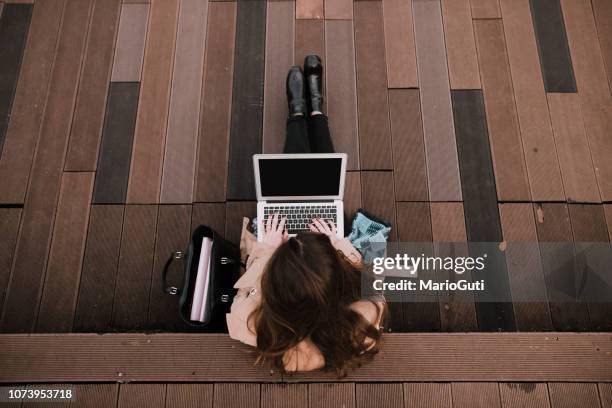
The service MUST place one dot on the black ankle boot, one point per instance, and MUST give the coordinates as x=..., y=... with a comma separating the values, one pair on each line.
x=313, y=71
x=295, y=91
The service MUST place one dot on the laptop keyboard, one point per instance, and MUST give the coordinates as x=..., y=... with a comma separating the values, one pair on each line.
x=300, y=216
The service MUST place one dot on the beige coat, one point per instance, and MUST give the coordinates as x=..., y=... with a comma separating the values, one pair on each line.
x=306, y=356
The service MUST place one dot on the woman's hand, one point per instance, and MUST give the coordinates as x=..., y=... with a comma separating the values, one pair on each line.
x=326, y=228
x=274, y=233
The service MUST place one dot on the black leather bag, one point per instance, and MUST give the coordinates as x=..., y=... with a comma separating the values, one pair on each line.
x=224, y=272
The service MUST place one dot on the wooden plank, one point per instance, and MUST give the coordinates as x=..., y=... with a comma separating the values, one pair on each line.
x=338, y=9
x=9, y=225
x=331, y=395
x=95, y=395
x=399, y=44
x=150, y=135
x=86, y=131
x=173, y=234
x=485, y=8
x=410, y=169
x=234, y=212
x=183, y=118
x=279, y=57
x=246, y=100
x=352, y=196
x=236, y=395
x=525, y=271
x=309, y=9
x=504, y=134
x=457, y=312
x=460, y=45
x=378, y=196
x=29, y=102
x=431, y=395
x=475, y=395
x=555, y=235
x=141, y=395
x=164, y=357
x=113, y=168
x=44, y=184
x=135, y=266
x=608, y=212
x=481, y=212
x=532, y=109
x=14, y=24
x=341, y=89
x=573, y=395
x=61, y=286
x=438, y=130
x=210, y=214
x=602, y=11
x=284, y=395
x=130, y=46
x=373, y=107
x=577, y=169
x=309, y=39
x=528, y=395
x=605, y=394
x=189, y=395
x=379, y=395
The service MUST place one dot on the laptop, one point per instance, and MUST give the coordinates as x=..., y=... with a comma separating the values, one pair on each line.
x=300, y=187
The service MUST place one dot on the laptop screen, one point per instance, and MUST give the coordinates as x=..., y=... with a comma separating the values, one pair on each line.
x=300, y=177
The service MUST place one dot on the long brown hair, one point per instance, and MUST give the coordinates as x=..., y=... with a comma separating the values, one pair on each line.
x=307, y=289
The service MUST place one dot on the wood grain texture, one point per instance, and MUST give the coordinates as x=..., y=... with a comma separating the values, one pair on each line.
x=399, y=44
x=184, y=115
x=504, y=135
x=246, y=103
x=130, y=45
x=43, y=189
x=131, y=300
x=460, y=45
x=189, y=395
x=379, y=395
x=86, y=131
x=283, y=395
x=96, y=290
x=524, y=395
x=475, y=395
x=150, y=134
x=9, y=225
x=331, y=395
x=141, y=395
x=61, y=286
x=338, y=9
x=309, y=39
x=579, y=180
x=378, y=195
x=485, y=8
x=309, y=9
x=29, y=102
x=440, y=144
x=431, y=395
x=236, y=395
x=531, y=106
x=352, y=195
x=279, y=57
x=602, y=10
x=96, y=395
x=374, y=130
x=234, y=212
x=410, y=169
x=341, y=90
x=565, y=395
x=210, y=214
x=605, y=393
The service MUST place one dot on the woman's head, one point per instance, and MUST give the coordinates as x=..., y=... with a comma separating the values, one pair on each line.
x=307, y=289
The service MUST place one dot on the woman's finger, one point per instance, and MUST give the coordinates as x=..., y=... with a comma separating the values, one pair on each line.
x=324, y=228
x=281, y=224
x=269, y=223
x=332, y=226
x=313, y=228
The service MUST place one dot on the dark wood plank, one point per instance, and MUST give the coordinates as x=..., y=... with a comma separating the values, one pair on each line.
x=485, y=9
x=430, y=395
x=475, y=395
x=210, y=214
x=504, y=134
x=141, y=395
x=528, y=395
x=214, y=138
x=14, y=25
x=481, y=213
x=133, y=286
x=61, y=286
x=378, y=196
x=460, y=45
x=29, y=102
x=9, y=225
x=95, y=301
x=183, y=118
x=440, y=144
x=236, y=395
x=173, y=234
x=331, y=395
x=566, y=395
x=189, y=395
x=284, y=395
x=556, y=248
x=246, y=104
x=113, y=167
x=341, y=89
x=379, y=395
x=44, y=184
x=234, y=212
x=577, y=169
x=605, y=394
x=410, y=169
x=150, y=134
x=130, y=46
x=339, y=10
x=373, y=107
x=309, y=39
x=352, y=195
x=95, y=395
x=602, y=10
x=399, y=44
x=309, y=9
x=526, y=275
x=86, y=131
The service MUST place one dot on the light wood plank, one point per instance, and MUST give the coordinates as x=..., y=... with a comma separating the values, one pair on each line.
x=141, y=395
x=9, y=225
x=430, y=395
x=189, y=395
x=236, y=395
x=566, y=395
x=528, y=395
x=331, y=395
x=485, y=8
x=309, y=9
x=475, y=395
x=379, y=395
x=605, y=394
x=602, y=9
x=399, y=44
x=338, y=9
x=284, y=395
x=95, y=395
x=131, y=36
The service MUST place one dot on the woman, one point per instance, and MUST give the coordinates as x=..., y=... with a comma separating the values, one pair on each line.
x=300, y=300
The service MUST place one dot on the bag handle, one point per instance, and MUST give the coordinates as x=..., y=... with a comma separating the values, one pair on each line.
x=171, y=290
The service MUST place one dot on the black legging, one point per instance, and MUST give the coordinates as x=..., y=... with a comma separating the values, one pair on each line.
x=308, y=135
